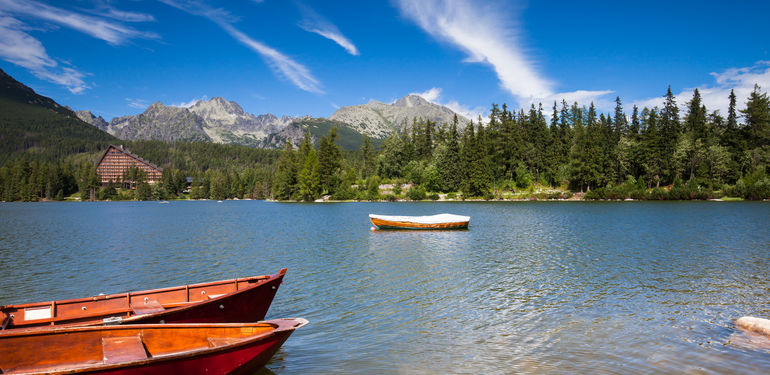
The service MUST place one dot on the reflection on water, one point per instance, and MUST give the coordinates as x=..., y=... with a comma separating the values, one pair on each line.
x=567, y=287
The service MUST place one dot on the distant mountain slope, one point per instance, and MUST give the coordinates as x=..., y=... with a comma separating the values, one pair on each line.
x=160, y=122
x=14, y=91
x=226, y=122
x=92, y=119
x=379, y=119
x=37, y=127
x=347, y=138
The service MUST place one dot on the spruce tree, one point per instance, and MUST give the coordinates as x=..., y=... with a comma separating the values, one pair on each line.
x=285, y=180
x=329, y=162
x=367, y=153
x=757, y=117
x=669, y=129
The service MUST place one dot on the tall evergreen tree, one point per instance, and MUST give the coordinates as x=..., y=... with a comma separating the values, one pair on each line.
x=669, y=129
x=620, y=122
x=635, y=127
x=757, y=116
x=329, y=162
x=367, y=151
x=308, y=180
x=285, y=180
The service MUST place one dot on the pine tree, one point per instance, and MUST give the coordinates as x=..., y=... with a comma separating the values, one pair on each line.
x=732, y=122
x=620, y=122
x=635, y=127
x=757, y=115
x=367, y=151
x=308, y=180
x=447, y=160
x=669, y=129
x=285, y=180
x=329, y=162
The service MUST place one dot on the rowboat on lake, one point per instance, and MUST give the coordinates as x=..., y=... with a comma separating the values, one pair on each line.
x=226, y=301
x=441, y=221
x=209, y=348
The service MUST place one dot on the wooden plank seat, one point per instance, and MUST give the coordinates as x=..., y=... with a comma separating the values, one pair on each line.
x=123, y=349
x=147, y=307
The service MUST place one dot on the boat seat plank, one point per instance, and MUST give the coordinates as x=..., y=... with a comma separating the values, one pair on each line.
x=148, y=307
x=123, y=349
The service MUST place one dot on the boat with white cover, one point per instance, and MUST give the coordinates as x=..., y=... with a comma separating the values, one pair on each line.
x=440, y=221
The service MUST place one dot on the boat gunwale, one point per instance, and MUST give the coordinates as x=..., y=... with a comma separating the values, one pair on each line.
x=253, y=281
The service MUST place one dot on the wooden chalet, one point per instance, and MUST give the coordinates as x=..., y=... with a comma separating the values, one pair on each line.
x=117, y=160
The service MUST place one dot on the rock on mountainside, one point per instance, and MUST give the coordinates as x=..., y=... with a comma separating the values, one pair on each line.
x=160, y=122
x=90, y=118
x=347, y=138
x=226, y=122
x=216, y=120
x=379, y=119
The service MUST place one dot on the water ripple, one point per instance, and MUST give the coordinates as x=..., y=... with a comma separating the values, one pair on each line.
x=608, y=288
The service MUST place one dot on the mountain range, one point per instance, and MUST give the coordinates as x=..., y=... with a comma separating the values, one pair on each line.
x=221, y=121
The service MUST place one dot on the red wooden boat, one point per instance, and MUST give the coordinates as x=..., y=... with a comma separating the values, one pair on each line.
x=212, y=348
x=226, y=301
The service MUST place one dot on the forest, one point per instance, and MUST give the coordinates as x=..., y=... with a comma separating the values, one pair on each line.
x=649, y=153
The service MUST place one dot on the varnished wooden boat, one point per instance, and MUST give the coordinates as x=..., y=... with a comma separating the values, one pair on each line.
x=226, y=301
x=211, y=348
x=441, y=221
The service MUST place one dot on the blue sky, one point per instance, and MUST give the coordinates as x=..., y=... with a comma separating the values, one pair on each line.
x=310, y=57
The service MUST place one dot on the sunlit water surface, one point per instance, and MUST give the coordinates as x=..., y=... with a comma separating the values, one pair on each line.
x=550, y=287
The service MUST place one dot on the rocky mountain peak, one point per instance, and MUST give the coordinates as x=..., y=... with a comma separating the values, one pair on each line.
x=155, y=107
x=379, y=120
x=218, y=104
x=90, y=118
x=412, y=100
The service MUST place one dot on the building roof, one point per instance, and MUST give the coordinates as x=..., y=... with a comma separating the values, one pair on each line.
x=121, y=149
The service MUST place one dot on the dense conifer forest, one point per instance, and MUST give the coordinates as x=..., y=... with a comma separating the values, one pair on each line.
x=647, y=153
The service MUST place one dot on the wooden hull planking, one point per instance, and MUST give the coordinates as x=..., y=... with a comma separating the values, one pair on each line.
x=222, y=348
x=389, y=224
x=225, y=301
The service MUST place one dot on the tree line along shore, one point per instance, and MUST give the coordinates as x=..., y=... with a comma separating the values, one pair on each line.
x=574, y=152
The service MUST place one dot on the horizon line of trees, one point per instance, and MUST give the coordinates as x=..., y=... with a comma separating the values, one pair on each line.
x=696, y=154
x=609, y=155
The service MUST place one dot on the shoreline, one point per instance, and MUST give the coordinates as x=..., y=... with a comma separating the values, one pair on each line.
x=531, y=199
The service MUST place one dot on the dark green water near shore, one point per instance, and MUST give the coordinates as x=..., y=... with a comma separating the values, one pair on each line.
x=544, y=287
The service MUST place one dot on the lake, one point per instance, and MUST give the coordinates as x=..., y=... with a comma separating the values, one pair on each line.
x=531, y=287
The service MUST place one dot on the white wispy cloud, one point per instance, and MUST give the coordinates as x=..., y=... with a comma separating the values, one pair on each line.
x=191, y=102
x=715, y=96
x=126, y=16
x=430, y=95
x=111, y=32
x=283, y=65
x=137, y=103
x=20, y=48
x=315, y=23
x=487, y=34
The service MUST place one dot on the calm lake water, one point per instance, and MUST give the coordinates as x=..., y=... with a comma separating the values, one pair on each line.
x=547, y=287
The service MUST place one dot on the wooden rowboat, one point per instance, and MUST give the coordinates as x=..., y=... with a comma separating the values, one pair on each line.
x=212, y=348
x=441, y=221
x=226, y=301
